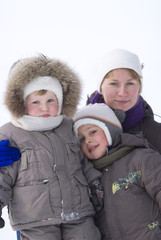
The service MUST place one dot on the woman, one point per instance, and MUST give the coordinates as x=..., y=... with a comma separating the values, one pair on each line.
x=119, y=86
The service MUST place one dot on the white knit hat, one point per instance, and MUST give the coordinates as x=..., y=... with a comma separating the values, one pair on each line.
x=101, y=115
x=45, y=83
x=118, y=58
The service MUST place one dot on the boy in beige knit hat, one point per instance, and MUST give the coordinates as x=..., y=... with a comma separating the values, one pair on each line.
x=131, y=171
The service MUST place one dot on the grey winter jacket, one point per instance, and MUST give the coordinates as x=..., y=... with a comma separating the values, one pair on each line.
x=132, y=191
x=47, y=186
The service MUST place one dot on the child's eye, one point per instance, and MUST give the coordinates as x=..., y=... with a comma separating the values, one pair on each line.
x=81, y=140
x=51, y=100
x=93, y=132
x=35, y=102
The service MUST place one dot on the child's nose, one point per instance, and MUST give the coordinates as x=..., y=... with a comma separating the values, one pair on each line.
x=88, y=140
x=43, y=107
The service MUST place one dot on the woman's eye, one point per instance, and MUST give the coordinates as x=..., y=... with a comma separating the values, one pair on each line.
x=130, y=83
x=113, y=83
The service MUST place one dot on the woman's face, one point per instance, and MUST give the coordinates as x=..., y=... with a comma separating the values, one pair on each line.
x=120, y=90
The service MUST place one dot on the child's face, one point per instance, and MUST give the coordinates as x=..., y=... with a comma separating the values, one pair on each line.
x=42, y=105
x=93, y=141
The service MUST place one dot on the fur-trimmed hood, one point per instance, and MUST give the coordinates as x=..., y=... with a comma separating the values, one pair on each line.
x=24, y=71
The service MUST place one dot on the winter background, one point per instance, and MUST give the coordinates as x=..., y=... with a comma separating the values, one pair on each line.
x=80, y=32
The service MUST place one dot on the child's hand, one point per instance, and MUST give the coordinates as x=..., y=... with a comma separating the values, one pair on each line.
x=2, y=222
x=97, y=194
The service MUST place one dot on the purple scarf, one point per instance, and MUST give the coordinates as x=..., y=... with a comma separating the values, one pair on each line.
x=134, y=115
x=96, y=98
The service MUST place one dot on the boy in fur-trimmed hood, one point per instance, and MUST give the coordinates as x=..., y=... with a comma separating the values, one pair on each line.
x=47, y=190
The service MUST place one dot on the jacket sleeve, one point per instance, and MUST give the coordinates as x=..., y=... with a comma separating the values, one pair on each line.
x=89, y=171
x=7, y=179
x=8, y=176
x=151, y=175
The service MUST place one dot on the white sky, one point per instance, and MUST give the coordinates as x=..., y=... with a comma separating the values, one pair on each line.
x=80, y=32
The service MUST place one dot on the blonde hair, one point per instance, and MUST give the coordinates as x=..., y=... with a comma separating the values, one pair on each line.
x=132, y=73
x=42, y=92
x=39, y=93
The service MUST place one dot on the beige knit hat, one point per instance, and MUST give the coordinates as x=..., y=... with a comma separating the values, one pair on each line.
x=101, y=115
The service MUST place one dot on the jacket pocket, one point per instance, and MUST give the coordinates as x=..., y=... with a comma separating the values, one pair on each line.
x=34, y=165
x=75, y=154
x=155, y=230
x=81, y=190
x=32, y=158
x=30, y=204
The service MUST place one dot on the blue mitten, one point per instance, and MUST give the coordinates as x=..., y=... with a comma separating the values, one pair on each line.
x=8, y=154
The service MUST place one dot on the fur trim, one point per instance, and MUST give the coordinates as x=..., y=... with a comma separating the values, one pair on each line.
x=25, y=70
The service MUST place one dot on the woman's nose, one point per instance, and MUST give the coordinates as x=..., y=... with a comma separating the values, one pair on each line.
x=122, y=90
